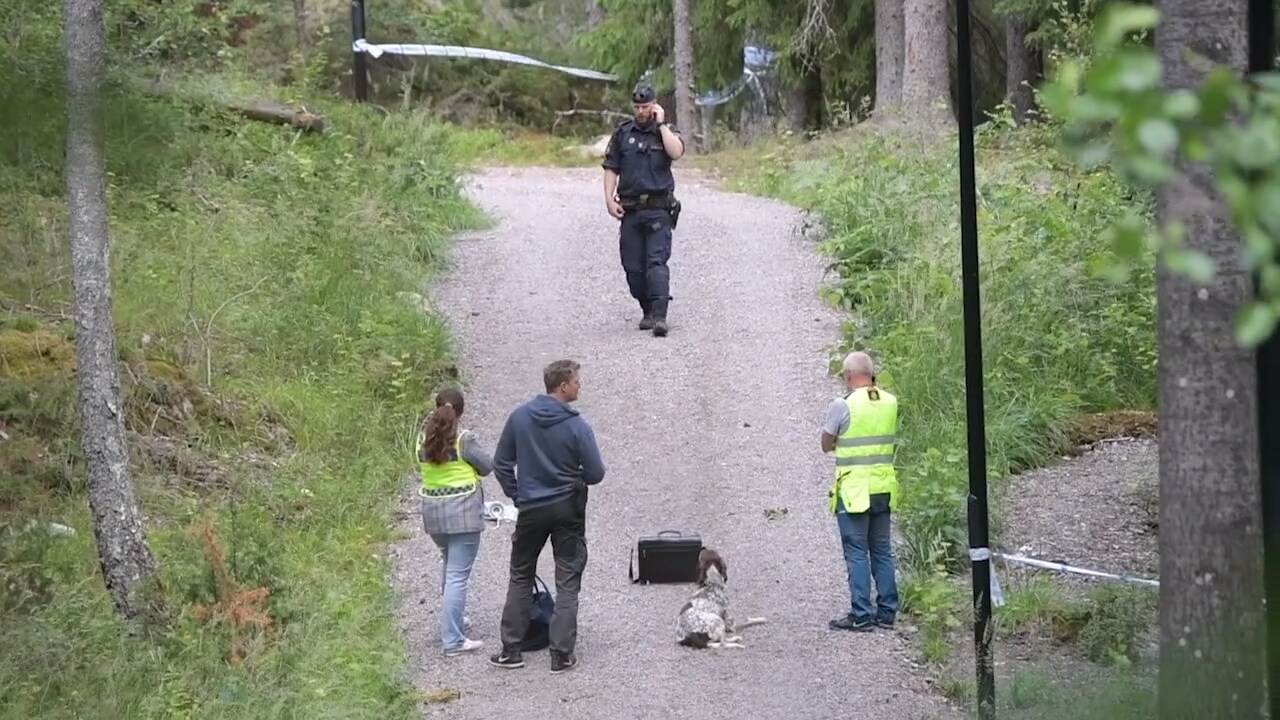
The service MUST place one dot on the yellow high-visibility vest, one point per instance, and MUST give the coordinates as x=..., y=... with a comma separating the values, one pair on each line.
x=864, y=451
x=455, y=474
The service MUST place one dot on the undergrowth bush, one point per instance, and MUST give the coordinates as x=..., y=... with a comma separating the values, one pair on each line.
x=254, y=267
x=1058, y=339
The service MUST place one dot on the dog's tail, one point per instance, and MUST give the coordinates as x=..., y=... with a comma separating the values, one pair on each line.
x=696, y=640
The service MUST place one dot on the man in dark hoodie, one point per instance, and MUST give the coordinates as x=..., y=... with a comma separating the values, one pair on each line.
x=557, y=456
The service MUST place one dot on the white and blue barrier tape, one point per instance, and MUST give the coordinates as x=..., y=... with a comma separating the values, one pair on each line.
x=755, y=62
x=1065, y=568
x=997, y=594
x=461, y=51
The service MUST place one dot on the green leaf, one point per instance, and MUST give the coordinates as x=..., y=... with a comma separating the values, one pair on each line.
x=1127, y=238
x=1110, y=268
x=1157, y=135
x=1195, y=148
x=1266, y=200
x=1191, y=264
x=1056, y=97
x=1119, y=20
x=1255, y=146
x=1148, y=170
x=1255, y=323
x=1140, y=71
x=1181, y=104
x=1094, y=108
x=1215, y=97
x=1269, y=280
x=1267, y=80
x=1094, y=154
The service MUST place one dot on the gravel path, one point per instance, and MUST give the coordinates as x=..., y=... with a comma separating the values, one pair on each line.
x=706, y=431
x=1095, y=511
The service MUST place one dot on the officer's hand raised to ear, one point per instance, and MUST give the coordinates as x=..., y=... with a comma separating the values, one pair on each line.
x=659, y=115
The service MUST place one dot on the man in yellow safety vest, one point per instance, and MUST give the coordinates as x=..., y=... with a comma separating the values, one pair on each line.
x=861, y=428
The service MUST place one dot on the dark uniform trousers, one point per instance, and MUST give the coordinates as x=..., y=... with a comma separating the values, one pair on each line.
x=645, y=247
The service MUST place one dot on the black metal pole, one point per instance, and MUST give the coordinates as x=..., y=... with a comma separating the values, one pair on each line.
x=359, y=71
x=1262, y=49
x=979, y=553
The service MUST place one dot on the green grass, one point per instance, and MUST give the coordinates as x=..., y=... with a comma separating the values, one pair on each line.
x=1035, y=693
x=1058, y=340
x=271, y=263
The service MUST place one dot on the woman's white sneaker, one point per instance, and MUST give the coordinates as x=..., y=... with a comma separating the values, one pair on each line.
x=466, y=647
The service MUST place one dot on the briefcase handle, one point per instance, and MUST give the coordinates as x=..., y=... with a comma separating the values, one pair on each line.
x=668, y=532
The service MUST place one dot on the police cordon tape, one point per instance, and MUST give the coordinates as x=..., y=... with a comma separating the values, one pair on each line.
x=1063, y=567
x=462, y=51
x=755, y=62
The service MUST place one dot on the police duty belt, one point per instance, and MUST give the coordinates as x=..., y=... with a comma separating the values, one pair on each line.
x=647, y=201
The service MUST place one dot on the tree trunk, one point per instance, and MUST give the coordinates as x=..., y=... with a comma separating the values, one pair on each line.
x=890, y=38
x=1021, y=68
x=686, y=111
x=1212, y=626
x=804, y=100
x=300, y=25
x=926, y=85
x=126, y=561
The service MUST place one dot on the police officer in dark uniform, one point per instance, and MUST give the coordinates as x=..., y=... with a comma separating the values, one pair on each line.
x=639, y=190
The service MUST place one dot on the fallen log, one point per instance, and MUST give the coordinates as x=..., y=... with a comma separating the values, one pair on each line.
x=268, y=111
x=278, y=113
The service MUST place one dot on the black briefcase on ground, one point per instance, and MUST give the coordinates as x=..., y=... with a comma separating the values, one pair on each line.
x=668, y=557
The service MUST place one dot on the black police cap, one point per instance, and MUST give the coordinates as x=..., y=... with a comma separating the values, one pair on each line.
x=642, y=94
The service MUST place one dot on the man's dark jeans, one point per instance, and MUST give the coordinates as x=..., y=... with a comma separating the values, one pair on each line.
x=564, y=521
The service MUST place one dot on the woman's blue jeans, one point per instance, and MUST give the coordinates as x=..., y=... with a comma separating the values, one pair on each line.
x=459, y=550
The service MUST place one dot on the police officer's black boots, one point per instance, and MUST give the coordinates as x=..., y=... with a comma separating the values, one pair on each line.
x=646, y=322
x=660, y=318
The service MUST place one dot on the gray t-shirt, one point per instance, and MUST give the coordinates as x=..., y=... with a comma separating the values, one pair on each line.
x=837, y=418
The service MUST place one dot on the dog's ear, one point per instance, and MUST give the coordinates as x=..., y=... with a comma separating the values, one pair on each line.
x=704, y=562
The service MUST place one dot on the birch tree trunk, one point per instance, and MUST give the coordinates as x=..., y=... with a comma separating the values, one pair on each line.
x=1212, y=626
x=926, y=78
x=890, y=38
x=126, y=561
x=686, y=111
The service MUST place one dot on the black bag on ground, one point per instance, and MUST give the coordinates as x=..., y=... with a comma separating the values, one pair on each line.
x=538, y=636
x=668, y=557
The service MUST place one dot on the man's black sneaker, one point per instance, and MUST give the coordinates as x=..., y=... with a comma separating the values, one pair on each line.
x=660, y=327
x=646, y=322
x=562, y=662
x=507, y=660
x=847, y=623
x=885, y=623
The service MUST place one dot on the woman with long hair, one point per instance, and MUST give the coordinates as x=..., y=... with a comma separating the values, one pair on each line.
x=451, y=463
